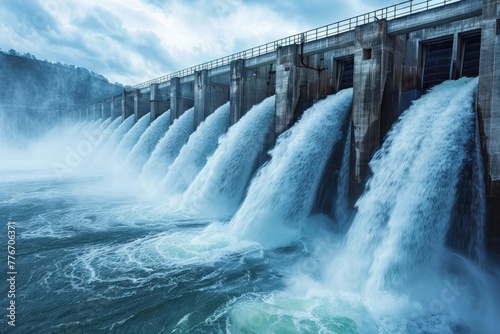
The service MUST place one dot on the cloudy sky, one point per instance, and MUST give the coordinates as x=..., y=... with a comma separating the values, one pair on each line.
x=132, y=41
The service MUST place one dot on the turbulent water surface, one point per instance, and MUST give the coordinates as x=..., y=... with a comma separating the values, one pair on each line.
x=237, y=244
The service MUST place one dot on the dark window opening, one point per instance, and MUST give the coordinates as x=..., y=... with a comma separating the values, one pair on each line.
x=471, y=50
x=437, y=63
x=367, y=54
x=345, y=72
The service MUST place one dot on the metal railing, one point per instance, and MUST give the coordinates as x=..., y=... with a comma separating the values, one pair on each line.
x=388, y=13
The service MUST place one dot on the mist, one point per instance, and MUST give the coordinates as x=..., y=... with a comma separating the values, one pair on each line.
x=36, y=96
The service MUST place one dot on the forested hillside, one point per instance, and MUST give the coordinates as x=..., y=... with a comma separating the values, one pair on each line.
x=34, y=93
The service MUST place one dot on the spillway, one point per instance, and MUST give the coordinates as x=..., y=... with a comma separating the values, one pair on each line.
x=233, y=238
x=283, y=192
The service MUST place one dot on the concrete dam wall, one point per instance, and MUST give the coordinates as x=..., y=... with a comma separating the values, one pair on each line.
x=389, y=57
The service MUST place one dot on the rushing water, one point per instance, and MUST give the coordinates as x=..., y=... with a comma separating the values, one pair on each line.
x=220, y=185
x=193, y=156
x=147, y=142
x=118, y=134
x=231, y=247
x=169, y=146
x=282, y=194
x=108, y=131
x=131, y=138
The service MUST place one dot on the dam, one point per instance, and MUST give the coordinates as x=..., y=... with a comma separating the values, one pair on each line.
x=390, y=57
x=341, y=180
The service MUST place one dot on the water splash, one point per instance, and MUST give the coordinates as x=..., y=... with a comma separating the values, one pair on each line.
x=169, y=146
x=116, y=137
x=466, y=234
x=131, y=138
x=399, y=231
x=56, y=144
x=104, y=125
x=219, y=187
x=108, y=132
x=91, y=125
x=145, y=146
x=342, y=211
x=193, y=156
x=478, y=206
x=284, y=190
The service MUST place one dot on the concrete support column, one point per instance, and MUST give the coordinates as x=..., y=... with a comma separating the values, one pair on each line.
x=287, y=87
x=103, y=113
x=488, y=107
x=175, y=99
x=124, y=105
x=141, y=105
x=201, y=97
x=127, y=105
x=154, y=100
x=412, y=71
x=181, y=98
x=393, y=95
x=370, y=73
x=136, y=96
x=455, y=57
x=113, y=109
x=209, y=94
x=248, y=87
x=96, y=112
x=236, y=90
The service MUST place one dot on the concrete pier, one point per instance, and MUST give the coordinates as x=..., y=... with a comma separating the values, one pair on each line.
x=250, y=85
x=377, y=93
x=106, y=109
x=210, y=92
x=114, y=108
x=154, y=100
x=181, y=97
x=142, y=104
x=488, y=107
x=127, y=105
x=237, y=105
x=369, y=82
x=287, y=87
x=136, y=96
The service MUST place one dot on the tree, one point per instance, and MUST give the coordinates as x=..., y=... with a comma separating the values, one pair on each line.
x=29, y=56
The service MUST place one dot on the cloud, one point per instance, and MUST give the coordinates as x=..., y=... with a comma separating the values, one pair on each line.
x=137, y=40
